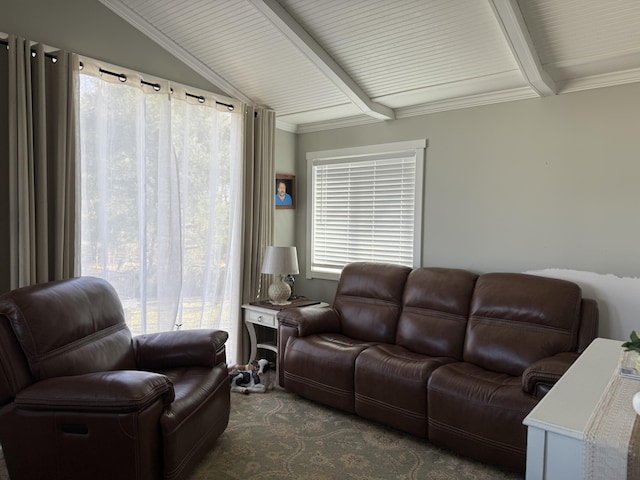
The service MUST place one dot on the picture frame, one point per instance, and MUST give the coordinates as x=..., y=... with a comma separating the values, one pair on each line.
x=285, y=200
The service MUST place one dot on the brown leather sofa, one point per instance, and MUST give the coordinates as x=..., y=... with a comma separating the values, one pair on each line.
x=444, y=354
x=81, y=399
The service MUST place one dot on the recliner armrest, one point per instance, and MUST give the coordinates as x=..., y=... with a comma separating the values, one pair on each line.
x=104, y=392
x=182, y=348
x=310, y=320
x=540, y=376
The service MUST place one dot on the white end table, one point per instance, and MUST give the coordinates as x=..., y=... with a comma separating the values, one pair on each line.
x=556, y=425
x=263, y=317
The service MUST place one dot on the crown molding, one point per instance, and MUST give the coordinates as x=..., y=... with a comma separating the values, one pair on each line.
x=520, y=93
x=599, y=81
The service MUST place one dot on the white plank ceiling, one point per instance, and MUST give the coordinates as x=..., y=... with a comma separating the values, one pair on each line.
x=323, y=64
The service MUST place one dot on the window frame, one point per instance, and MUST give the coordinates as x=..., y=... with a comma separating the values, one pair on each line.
x=415, y=147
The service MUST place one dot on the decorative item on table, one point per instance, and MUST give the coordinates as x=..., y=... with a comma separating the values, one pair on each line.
x=291, y=281
x=630, y=367
x=631, y=357
x=280, y=261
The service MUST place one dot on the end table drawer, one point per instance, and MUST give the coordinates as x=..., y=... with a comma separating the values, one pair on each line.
x=268, y=320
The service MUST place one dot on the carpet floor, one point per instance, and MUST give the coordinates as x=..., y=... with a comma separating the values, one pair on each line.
x=281, y=436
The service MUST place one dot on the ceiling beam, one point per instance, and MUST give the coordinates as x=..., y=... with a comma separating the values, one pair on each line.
x=299, y=37
x=172, y=47
x=513, y=26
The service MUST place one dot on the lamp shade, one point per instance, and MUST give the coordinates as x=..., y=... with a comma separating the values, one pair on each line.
x=280, y=261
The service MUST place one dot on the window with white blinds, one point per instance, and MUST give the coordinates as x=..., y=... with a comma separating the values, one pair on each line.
x=365, y=205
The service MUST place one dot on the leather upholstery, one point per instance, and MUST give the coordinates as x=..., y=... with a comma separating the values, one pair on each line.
x=369, y=299
x=435, y=310
x=517, y=319
x=80, y=398
x=445, y=354
x=479, y=413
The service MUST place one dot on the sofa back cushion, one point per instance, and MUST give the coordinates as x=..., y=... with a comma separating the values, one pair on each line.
x=517, y=319
x=369, y=300
x=435, y=311
x=69, y=327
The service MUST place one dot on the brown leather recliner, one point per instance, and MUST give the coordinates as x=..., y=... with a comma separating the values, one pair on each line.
x=81, y=398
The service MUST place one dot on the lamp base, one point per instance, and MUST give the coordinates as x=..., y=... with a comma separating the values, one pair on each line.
x=279, y=292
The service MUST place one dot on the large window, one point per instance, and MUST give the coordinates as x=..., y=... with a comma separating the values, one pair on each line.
x=365, y=204
x=161, y=180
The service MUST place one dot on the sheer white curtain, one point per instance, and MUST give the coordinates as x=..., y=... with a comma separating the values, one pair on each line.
x=161, y=177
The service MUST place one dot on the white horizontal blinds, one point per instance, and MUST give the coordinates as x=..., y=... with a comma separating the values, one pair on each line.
x=363, y=210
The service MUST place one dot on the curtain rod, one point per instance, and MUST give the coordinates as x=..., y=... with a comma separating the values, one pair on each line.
x=48, y=55
x=123, y=78
x=156, y=86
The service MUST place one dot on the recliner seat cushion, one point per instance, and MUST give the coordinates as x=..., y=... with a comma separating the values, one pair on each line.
x=391, y=386
x=322, y=367
x=479, y=413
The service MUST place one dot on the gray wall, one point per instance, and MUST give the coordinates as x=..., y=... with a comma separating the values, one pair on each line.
x=526, y=185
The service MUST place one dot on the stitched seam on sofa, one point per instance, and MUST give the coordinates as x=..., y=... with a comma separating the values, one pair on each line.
x=367, y=300
x=475, y=437
x=434, y=313
x=388, y=406
x=314, y=384
x=467, y=399
x=81, y=342
x=20, y=330
x=517, y=324
x=106, y=406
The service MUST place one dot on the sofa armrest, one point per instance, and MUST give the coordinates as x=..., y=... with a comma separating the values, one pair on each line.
x=182, y=348
x=303, y=321
x=310, y=320
x=540, y=376
x=104, y=392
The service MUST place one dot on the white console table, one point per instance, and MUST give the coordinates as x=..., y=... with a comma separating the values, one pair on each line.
x=556, y=426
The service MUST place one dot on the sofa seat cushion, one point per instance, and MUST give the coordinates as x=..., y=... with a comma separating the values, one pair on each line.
x=321, y=367
x=391, y=386
x=479, y=413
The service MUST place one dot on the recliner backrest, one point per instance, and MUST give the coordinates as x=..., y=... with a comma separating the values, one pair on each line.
x=435, y=311
x=516, y=319
x=14, y=370
x=69, y=327
x=369, y=300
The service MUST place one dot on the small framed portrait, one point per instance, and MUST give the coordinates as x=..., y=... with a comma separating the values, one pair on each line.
x=285, y=191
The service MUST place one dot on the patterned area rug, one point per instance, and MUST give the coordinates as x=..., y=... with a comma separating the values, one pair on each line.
x=280, y=436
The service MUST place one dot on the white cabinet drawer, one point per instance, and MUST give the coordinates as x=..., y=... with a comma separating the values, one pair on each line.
x=266, y=319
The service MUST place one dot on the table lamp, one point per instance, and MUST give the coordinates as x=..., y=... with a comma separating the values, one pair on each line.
x=281, y=261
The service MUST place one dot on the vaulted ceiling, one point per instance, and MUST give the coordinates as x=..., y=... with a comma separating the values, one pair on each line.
x=324, y=64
